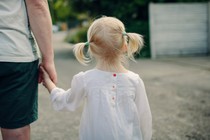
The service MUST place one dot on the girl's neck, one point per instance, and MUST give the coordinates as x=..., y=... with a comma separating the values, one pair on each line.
x=111, y=66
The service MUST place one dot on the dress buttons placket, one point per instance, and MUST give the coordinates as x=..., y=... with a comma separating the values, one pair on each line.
x=113, y=96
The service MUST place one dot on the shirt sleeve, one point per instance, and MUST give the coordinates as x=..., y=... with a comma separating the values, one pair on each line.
x=144, y=111
x=69, y=99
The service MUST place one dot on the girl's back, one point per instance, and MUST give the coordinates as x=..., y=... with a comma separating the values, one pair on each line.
x=110, y=111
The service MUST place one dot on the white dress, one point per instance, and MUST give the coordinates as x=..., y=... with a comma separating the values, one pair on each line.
x=116, y=105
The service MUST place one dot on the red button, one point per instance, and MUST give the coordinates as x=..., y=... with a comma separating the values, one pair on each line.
x=114, y=75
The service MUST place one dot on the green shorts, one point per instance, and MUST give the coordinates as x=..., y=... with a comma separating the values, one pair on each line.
x=18, y=94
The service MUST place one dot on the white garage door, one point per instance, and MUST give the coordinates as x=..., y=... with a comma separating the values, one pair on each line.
x=178, y=29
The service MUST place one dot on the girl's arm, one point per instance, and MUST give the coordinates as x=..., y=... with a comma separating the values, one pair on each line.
x=47, y=82
x=71, y=98
x=62, y=99
x=144, y=111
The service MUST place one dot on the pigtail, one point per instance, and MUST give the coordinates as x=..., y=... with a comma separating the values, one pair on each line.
x=79, y=50
x=135, y=43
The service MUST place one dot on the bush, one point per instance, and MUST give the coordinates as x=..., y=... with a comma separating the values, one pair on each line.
x=77, y=35
x=141, y=27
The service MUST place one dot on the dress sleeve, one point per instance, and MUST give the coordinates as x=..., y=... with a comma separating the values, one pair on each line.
x=144, y=111
x=69, y=99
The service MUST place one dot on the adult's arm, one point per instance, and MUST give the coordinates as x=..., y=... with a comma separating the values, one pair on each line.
x=41, y=26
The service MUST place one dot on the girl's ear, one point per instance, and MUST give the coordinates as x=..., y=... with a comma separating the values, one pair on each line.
x=124, y=48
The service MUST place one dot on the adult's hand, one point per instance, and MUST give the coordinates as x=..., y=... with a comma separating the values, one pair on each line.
x=50, y=69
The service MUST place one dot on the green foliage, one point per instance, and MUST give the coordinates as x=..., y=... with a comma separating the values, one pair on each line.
x=123, y=9
x=141, y=27
x=63, y=10
x=79, y=35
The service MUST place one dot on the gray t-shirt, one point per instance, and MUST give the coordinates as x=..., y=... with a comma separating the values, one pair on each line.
x=16, y=41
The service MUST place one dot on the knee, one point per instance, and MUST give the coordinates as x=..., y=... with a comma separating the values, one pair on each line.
x=16, y=134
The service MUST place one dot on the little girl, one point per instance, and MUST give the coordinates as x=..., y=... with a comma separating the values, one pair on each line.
x=116, y=104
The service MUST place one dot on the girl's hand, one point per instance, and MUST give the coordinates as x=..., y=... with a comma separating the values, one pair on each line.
x=46, y=80
x=49, y=67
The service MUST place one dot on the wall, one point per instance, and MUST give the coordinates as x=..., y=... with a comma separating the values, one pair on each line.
x=179, y=29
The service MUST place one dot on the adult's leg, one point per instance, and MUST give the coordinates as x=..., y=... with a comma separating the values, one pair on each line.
x=18, y=99
x=22, y=133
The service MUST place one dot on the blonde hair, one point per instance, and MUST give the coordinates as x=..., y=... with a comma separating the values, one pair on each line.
x=107, y=39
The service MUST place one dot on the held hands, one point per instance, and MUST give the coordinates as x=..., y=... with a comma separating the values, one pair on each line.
x=46, y=80
x=49, y=67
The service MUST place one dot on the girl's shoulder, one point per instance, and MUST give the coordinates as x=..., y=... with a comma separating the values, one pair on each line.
x=88, y=73
x=135, y=77
x=99, y=73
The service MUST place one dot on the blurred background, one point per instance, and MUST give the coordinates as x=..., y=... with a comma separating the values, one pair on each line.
x=76, y=15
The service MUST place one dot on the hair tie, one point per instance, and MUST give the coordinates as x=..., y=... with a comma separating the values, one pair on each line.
x=87, y=44
x=124, y=33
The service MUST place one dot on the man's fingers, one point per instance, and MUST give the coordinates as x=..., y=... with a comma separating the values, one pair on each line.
x=42, y=69
x=53, y=77
x=40, y=77
x=49, y=71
